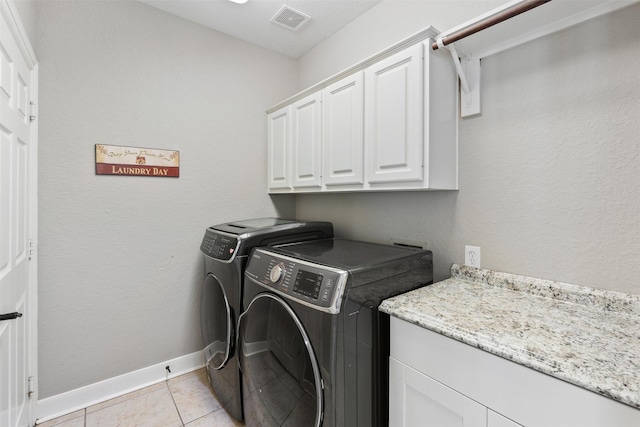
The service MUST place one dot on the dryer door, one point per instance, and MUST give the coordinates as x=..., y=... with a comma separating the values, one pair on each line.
x=281, y=378
x=217, y=323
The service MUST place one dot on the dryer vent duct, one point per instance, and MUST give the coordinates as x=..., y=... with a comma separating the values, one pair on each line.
x=290, y=18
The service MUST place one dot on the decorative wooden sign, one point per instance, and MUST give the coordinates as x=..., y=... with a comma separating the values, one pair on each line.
x=132, y=161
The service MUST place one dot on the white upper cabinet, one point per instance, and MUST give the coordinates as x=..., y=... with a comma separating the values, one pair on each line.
x=343, y=131
x=393, y=118
x=386, y=124
x=279, y=134
x=306, y=142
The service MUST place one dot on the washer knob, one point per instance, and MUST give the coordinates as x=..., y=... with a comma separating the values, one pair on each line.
x=277, y=272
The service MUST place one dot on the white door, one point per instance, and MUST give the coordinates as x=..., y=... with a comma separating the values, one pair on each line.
x=394, y=117
x=17, y=222
x=416, y=400
x=496, y=420
x=343, y=131
x=306, y=141
x=279, y=134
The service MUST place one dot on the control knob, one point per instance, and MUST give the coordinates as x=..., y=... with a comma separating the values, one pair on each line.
x=277, y=273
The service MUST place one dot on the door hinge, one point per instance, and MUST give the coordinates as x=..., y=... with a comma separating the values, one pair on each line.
x=30, y=387
x=32, y=249
x=32, y=116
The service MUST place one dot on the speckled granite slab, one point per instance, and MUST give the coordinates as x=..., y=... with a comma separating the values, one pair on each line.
x=588, y=337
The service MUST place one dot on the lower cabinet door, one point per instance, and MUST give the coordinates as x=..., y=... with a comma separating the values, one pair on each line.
x=416, y=400
x=494, y=419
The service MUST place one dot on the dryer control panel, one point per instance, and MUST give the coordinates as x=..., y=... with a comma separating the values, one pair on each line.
x=310, y=284
x=219, y=245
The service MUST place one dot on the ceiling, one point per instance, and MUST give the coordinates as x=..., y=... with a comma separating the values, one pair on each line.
x=251, y=21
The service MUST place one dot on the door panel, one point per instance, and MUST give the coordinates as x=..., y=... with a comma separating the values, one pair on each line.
x=279, y=133
x=16, y=214
x=343, y=132
x=306, y=140
x=418, y=400
x=5, y=206
x=394, y=118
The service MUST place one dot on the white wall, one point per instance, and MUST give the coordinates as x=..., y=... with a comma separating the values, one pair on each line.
x=27, y=11
x=119, y=263
x=549, y=171
x=383, y=25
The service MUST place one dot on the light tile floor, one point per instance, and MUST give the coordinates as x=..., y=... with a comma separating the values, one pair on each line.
x=186, y=401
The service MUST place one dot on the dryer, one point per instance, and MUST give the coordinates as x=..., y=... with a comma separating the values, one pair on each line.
x=226, y=248
x=312, y=346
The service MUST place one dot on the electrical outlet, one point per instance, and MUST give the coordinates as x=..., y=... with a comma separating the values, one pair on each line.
x=472, y=256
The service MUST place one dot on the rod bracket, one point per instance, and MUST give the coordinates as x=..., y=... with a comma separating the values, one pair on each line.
x=456, y=61
x=470, y=102
x=468, y=70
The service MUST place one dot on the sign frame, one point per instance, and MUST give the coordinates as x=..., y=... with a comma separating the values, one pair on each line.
x=137, y=161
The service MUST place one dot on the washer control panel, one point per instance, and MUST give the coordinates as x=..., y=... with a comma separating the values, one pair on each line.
x=219, y=245
x=310, y=284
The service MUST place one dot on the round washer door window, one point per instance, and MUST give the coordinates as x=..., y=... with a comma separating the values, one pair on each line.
x=217, y=323
x=281, y=379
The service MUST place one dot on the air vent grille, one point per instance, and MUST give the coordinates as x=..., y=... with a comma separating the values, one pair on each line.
x=290, y=18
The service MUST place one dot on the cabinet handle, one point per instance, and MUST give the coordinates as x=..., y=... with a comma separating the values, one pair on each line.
x=10, y=316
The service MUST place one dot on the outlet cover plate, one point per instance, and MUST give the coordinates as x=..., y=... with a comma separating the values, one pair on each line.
x=472, y=256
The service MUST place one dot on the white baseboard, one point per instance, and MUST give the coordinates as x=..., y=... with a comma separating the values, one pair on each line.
x=70, y=401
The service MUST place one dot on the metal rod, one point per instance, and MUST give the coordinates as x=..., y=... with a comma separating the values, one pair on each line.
x=490, y=21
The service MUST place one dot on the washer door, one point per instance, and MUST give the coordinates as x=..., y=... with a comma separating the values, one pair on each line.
x=281, y=378
x=217, y=323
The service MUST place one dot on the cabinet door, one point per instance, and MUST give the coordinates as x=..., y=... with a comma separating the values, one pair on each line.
x=278, y=138
x=496, y=420
x=416, y=400
x=343, y=131
x=394, y=118
x=306, y=140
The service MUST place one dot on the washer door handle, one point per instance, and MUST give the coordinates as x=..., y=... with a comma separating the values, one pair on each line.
x=10, y=316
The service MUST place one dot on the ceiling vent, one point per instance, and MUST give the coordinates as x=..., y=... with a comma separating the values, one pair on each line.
x=290, y=18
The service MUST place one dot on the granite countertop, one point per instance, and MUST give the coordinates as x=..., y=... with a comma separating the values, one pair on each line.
x=588, y=337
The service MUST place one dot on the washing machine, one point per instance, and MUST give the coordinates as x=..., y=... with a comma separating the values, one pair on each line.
x=226, y=248
x=312, y=346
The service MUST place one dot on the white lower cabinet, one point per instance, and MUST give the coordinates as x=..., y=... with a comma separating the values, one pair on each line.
x=496, y=420
x=415, y=400
x=438, y=381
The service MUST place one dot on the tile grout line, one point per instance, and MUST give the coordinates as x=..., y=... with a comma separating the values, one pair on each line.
x=174, y=403
x=117, y=401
